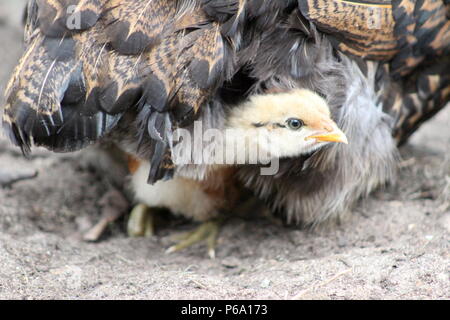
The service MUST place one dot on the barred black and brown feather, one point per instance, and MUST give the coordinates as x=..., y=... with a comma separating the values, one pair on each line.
x=90, y=61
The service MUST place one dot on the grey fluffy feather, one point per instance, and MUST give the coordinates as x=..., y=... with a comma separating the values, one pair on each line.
x=325, y=185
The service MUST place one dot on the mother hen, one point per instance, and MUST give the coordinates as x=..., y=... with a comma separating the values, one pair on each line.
x=133, y=71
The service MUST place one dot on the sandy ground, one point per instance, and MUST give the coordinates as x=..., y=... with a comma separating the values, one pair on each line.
x=395, y=246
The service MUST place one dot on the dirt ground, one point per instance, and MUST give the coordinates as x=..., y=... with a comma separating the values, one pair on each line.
x=395, y=246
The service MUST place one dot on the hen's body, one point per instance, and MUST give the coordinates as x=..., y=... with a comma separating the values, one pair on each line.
x=134, y=71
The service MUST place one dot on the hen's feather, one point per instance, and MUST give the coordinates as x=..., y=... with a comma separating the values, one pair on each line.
x=361, y=28
x=89, y=61
x=58, y=18
x=423, y=32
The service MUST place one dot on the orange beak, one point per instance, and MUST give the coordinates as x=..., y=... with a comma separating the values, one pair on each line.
x=334, y=136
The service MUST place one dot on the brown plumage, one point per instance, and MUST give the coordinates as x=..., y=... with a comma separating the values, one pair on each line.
x=133, y=71
x=368, y=25
x=168, y=54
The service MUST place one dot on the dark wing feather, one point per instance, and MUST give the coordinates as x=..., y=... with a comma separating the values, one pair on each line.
x=404, y=32
x=113, y=81
x=418, y=81
x=205, y=57
x=414, y=99
x=134, y=26
x=411, y=37
x=361, y=28
x=72, y=86
x=52, y=99
x=122, y=83
x=181, y=57
x=60, y=17
x=183, y=73
x=34, y=93
x=230, y=13
x=423, y=31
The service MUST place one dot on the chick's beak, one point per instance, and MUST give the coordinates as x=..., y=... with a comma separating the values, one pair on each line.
x=336, y=135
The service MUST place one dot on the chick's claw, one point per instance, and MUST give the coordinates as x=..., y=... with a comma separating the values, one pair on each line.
x=207, y=231
x=141, y=222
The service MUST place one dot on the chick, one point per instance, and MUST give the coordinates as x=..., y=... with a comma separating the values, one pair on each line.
x=272, y=126
x=201, y=200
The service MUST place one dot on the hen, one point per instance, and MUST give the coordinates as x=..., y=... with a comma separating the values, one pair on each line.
x=134, y=71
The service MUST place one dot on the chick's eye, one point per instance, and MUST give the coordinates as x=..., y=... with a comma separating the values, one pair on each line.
x=294, y=123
